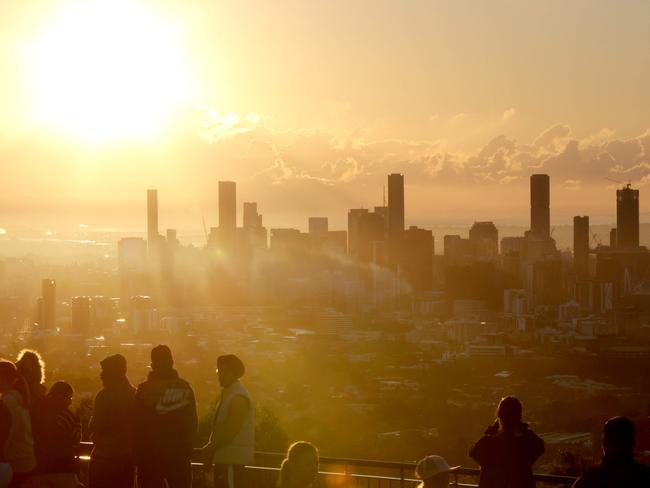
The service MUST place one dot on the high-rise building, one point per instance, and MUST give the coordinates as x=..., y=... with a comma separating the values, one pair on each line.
x=131, y=262
x=612, y=238
x=540, y=213
x=227, y=214
x=417, y=261
x=457, y=251
x=354, y=216
x=318, y=226
x=627, y=217
x=252, y=219
x=152, y=221
x=581, y=246
x=395, y=217
x=484, y=238
x=371, y=229
x=81, y=310
x=47, y=312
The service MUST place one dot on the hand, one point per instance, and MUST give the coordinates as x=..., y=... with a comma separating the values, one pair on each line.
x=493, y=429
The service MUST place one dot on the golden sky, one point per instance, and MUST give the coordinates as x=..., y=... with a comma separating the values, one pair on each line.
x=308, y=105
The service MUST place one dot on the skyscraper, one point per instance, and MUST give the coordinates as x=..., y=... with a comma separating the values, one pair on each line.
x=627, y=217
x=484, y=238
x=418, y=258
x=581, y=246
x=252, y=219
x=227, y=214
x=318, y=226
x=540, y=214
x=152, y=220
x=354, y=216
x=395, y=217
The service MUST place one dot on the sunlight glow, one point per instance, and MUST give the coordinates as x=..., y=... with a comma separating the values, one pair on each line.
x=105, y=70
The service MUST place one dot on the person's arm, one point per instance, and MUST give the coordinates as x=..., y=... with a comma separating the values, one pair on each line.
x=480, y=452
x=224, y=434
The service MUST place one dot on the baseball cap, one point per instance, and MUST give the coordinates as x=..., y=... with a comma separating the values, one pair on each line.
x=431, y=466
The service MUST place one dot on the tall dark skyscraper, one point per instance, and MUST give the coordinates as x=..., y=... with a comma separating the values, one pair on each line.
x=581, y=246
x=395, y=217
x=227, y=214
x=252, y=219
x=152, y=220
x=627, y=217
x=354, y=217
x=540, y=213
x=484, y=239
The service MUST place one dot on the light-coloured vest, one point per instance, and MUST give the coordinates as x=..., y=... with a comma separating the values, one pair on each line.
x=19, y=449
x=241, y=449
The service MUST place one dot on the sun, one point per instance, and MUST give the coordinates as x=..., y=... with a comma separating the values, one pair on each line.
x=104, y=70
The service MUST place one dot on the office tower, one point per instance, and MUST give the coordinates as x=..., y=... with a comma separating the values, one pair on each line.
x=513, y=244
x=171, y=239
x=252, y=219
x=318, y=226
x=484, y=238
x=457, y=251
x=627, y=217
x=354, y=215
x=417, y=262
x=152, y=220
x=395, y=217
x=581, y=246
x=81, y=315
x=47, y=312
x=370, y=230
x=227, y=215
x=540, y=214
x=612, y=238
x=337, y=242
x=289, y=241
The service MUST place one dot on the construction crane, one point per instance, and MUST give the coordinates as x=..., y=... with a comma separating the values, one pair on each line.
x=596, y=239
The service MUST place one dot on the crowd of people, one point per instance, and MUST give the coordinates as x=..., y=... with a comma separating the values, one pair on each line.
x=146, y=435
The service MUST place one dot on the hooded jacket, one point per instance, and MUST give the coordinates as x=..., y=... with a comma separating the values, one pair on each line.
x=165, y=416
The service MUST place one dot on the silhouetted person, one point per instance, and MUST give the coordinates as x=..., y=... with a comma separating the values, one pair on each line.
x=643, y=437
x=31, y=366
x=57, y=434
x=232, y=441
x=111, y=428
x=618, y=469
x=16, y=441
x=300, y=468
x=434, y=472
x=508, y=450
x=165, y=425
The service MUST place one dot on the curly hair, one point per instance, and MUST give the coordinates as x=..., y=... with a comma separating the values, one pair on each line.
x=31, y=365
x=294, y=456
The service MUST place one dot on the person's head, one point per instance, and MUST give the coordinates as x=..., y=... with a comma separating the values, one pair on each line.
x=619, y=436
x=229, y=369
x=11, y=379
x=60, y=395
x=113, y=369
x=300, y=467
x=31, y=366
x=434, y=471
x=161, y=358
x=509, y=413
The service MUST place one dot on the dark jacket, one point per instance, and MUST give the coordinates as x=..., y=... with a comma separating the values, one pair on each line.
x=507, y=459
x=57, y=433
x=111, y=425
x=616, y=472
x=165, y=416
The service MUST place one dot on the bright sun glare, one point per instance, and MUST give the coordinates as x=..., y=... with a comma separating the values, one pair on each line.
x=106, y=70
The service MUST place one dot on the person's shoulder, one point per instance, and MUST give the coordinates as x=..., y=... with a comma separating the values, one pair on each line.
x=643, y=470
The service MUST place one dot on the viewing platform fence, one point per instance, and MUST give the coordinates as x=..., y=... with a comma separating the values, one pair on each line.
x=341, y=473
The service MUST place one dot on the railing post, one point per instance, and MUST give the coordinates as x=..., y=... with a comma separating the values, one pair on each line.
x=401, y=477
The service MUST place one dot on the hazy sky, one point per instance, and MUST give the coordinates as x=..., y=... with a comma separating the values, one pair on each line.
x=308, y=105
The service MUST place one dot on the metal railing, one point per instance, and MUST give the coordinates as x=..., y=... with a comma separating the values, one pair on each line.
x=342, y=473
